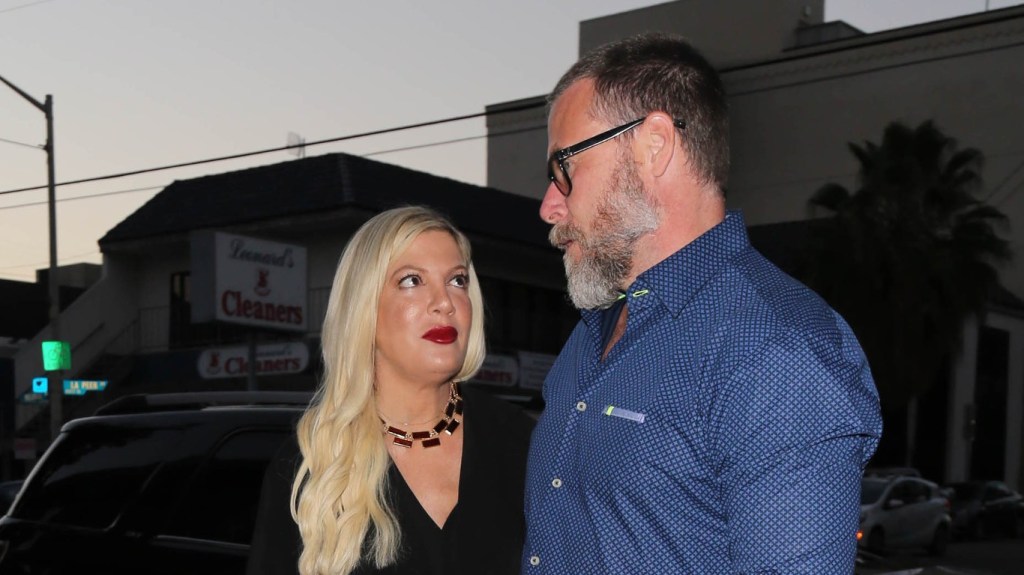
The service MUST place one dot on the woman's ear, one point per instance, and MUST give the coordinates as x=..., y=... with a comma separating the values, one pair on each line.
x=659, y=141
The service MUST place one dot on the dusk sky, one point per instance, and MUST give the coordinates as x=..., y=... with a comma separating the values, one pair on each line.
x=146, y=83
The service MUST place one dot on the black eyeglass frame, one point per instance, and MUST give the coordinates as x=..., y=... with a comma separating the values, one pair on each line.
x=558, y=157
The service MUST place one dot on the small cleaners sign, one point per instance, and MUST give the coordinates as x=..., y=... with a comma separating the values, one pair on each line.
x=275, y=359
x=248, y=281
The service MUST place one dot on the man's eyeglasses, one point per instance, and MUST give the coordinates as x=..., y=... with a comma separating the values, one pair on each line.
x=556, y=162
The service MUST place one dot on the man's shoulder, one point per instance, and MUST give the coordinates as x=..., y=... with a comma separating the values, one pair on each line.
x=755, y=302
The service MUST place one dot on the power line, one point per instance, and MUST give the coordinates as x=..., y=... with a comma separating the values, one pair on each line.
x=366, y=155
x=282, y=148
x=17, y=143
x=999, y=187
x=29, y=5
x=82, y=197
x=446, y=142
x=63, y=260
x=378, y=152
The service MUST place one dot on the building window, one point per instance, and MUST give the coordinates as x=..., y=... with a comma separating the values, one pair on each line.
x=525, y=317
x=184, y=333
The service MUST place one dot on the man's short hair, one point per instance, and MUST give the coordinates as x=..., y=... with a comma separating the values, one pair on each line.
x=661, y=73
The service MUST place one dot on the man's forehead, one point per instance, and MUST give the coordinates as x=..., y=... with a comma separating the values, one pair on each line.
x=572, y=111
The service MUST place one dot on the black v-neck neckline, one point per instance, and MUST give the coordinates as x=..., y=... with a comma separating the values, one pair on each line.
x=414, y=502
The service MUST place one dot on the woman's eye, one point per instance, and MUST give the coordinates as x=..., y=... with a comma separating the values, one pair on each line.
x=410, y=281
x=461, y=280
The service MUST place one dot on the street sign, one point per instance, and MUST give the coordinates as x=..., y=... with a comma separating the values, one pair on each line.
x=56, y=355
x=40, y=385
x=31, y=398
x=80, y=386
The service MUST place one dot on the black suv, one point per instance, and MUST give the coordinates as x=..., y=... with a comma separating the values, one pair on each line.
x=161, y=484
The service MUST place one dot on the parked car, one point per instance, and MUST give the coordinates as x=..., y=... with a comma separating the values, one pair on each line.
x=891, y=471
x=983, y=509
x=903, y=512
x=156, y=484
x=8, y=491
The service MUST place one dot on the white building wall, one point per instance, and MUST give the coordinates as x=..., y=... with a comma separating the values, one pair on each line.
x=792, y=120
x=728, y=32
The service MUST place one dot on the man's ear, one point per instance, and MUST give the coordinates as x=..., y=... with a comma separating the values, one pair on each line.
x=659, y=142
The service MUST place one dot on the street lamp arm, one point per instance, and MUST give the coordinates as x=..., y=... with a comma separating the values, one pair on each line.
x=23, y=94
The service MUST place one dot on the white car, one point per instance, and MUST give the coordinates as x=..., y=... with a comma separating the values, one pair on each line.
x=902, y=512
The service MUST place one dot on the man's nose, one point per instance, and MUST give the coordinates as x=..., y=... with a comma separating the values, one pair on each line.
x=552, y=207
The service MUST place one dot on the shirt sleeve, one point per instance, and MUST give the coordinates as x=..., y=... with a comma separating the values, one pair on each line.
x=799, y=422
x=276, y=543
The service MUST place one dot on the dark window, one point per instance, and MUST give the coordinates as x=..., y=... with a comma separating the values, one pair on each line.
x=997, y=491
x=990, y=398
x=182, y=332
x=921, y=492
x=220, y=502
x=93, y=475
x=871, y=490
x=910, y=492
x=525, y=317
x=181, y=308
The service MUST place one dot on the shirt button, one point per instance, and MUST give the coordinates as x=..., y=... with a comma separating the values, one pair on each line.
x=535, y=561
x=581, y=406
x=556, y=483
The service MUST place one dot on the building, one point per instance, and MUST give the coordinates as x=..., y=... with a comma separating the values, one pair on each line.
x=799, y=90
x=134, y=330
x=24, y=311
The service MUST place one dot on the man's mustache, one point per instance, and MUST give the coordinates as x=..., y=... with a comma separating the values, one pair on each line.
x=561, y=234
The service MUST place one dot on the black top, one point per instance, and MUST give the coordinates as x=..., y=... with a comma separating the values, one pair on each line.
x=483, y=535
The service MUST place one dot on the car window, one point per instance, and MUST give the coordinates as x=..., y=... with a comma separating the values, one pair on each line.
x=871, y=490
x=220, y=501
x=921, y=492
x=92, y=475
x=909, y=492
x=997, y=491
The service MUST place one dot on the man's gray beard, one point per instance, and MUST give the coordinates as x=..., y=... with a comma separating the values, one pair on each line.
x=623, y=216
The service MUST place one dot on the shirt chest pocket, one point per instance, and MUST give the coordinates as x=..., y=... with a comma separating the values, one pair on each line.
x=631, y=466
x=614, y=438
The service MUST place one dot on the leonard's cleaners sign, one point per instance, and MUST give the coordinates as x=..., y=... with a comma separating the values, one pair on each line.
x=271, y=359
x=248, y=281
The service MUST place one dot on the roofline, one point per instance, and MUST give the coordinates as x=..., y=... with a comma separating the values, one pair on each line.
x=886, y=37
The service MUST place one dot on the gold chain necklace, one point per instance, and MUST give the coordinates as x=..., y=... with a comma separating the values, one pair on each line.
x=432, y=437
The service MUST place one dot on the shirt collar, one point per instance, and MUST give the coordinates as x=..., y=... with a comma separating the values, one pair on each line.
x=677, y=278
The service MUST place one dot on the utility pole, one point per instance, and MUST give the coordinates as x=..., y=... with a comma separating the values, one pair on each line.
x=55, y=391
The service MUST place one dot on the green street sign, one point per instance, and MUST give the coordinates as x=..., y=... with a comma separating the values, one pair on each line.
x=56, y=355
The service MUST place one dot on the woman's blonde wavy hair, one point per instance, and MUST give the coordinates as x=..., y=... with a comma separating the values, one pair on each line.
x=340, y=493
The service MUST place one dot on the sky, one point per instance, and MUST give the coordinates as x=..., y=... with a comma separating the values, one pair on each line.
x=145, y=83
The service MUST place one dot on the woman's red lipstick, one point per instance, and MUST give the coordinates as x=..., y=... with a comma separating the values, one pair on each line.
x=443, y=334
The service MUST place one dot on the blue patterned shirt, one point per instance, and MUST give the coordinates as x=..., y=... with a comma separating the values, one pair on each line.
x=725, y=432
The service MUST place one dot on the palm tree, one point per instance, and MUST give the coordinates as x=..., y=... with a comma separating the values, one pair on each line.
x=909, y=255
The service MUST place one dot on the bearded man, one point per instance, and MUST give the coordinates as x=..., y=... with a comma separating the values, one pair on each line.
x=709, y=414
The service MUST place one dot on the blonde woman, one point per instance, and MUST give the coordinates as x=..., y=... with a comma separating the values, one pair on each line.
x=398, y=468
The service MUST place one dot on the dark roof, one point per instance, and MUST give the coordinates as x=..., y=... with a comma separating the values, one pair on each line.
x=323, y=184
